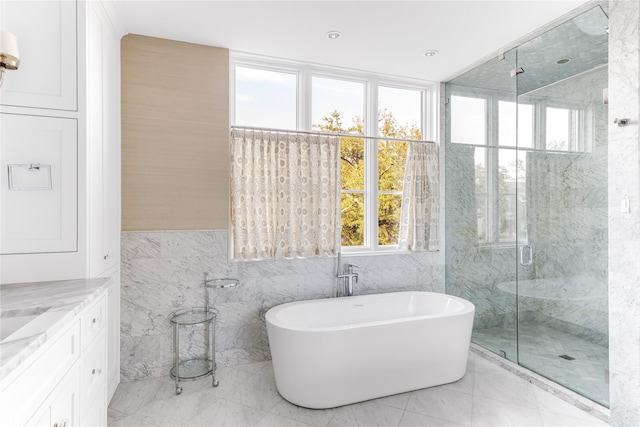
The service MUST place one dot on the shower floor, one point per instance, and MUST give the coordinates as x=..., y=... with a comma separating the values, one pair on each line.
x=540, y=351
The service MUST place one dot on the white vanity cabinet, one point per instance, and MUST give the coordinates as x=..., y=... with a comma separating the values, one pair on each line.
x=64, y=101
x=65, y=382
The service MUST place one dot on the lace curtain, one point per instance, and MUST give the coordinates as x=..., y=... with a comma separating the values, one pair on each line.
x=420, y=204
x=285, y=194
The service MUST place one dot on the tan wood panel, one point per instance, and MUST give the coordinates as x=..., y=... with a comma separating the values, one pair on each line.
x=175, y=135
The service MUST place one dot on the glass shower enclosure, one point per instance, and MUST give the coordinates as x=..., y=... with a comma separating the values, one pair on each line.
x=526, y=202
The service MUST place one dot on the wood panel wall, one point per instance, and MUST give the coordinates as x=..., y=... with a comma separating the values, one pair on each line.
x=175, y=135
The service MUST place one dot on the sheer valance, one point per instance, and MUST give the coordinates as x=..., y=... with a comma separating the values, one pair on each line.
x=419, y=215
x=285, y=194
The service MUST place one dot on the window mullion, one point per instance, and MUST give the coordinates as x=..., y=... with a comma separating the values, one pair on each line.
x=304, y=99
x=493, y=165
x=542, y=125
x=371, y=166
x=371, y=186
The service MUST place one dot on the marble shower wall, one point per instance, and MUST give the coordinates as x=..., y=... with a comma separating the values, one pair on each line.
x=624, y=228
x=163, y=272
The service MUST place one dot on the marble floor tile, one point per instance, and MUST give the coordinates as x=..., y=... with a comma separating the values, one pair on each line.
x=507, y=389
x=259, y=391
x=410, y=419
x=547, y=402
x=396, y=401
x=131, y=396
x=442, y=403
x=494, y=413
x=271, y=420
x=367, y=414
x=175, y=411
x=118, y=419
x=551, y=419
x=222, y=412
x=314, y=417
x=463, y=385
x=488, y=395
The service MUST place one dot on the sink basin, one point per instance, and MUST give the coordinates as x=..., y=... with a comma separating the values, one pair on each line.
x=17, y=323
x=9, y=325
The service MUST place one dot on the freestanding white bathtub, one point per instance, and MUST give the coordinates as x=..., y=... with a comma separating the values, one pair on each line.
x=333, y=352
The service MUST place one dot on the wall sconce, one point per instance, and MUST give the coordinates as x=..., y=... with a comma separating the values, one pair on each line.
x=9, y=56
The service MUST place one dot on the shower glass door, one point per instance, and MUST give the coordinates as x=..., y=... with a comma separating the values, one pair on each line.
x=562, y=205
x=481, y=176
x=526, y=202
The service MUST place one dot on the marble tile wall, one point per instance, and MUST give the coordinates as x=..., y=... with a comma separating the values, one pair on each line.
x=163, y=272
x=624, y=228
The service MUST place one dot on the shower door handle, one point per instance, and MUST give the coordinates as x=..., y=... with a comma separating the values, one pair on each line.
x=529, y=258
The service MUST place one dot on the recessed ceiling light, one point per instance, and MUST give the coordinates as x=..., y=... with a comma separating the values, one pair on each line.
x=563, y=60
x=332, y=35
x=430, y=53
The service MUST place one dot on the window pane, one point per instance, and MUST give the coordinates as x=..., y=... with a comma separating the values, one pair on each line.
x=507, y=124
x=510, y=173
x=481, y=210
x=392, y=156
x=352, y=218
x=400, y=113
x=523, y=235
x=265, y=98
x=468, y=120
x=480, y=162
x=352, y=163
x=337, y=105
x=507, y=218
x=389, y=218
x=522, y=197
x=558, y=120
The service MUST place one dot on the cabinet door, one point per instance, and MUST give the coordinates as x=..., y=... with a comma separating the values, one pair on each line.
x=47, y=35
x=37, y=220
x=65, y=409
x=62, y=408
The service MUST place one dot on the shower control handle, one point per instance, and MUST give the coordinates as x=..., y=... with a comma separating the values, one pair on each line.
x=529, y=260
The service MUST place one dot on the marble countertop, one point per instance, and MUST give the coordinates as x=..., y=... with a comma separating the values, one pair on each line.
x=42, y=309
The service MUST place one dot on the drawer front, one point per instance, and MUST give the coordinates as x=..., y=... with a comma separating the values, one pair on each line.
x=94, y=412
x=24, y=395
x=93, y=321
x=94, y=368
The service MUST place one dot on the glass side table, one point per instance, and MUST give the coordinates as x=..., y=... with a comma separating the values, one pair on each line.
x=195, y=368
x=192, y=369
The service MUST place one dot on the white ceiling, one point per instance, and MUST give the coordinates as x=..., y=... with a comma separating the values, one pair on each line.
x=382, y=37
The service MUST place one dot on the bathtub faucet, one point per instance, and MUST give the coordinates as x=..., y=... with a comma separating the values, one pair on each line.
x=351, y=277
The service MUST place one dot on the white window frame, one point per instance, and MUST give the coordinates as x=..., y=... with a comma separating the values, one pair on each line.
x=305, y=72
